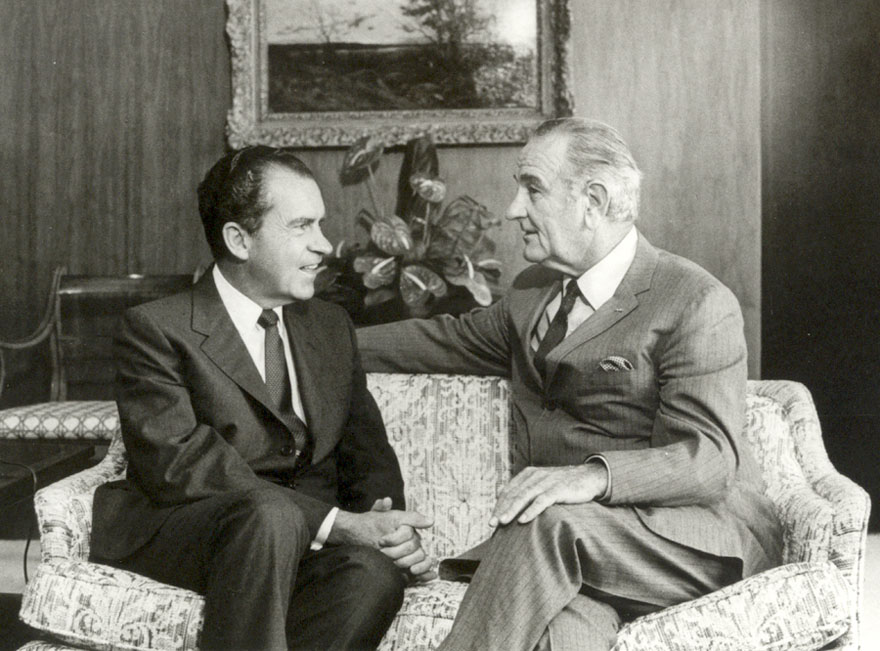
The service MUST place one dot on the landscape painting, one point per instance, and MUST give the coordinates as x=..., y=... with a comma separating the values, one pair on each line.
x=375, y=55
x=321, y=73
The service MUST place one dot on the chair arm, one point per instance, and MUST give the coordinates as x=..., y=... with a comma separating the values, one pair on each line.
x=64, y=509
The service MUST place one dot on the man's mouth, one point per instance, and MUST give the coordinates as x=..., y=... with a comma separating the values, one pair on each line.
x=312, y=268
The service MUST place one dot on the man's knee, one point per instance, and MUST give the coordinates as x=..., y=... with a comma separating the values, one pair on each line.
x=264, y=516
x=558, y=531
x=374, y=577
x=550, y=524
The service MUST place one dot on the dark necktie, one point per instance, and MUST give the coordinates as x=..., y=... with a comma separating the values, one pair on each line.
x=278, y=381
x=558, y=327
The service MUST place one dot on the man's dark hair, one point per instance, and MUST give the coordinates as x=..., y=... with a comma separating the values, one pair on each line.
x=232, y=190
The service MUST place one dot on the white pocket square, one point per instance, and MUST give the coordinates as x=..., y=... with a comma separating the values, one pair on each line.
x=615, y=364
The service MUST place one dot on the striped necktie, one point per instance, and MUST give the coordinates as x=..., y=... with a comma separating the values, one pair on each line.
x=558, y=326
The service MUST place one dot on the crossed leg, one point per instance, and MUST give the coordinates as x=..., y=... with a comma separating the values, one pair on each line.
x=541, y=581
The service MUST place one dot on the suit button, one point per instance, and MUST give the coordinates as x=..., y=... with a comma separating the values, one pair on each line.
x=287, y=450
x=550, y=404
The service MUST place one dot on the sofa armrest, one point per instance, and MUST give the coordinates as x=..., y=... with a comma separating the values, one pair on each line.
x=64, y=509
x=797, y=607
x=94, y=606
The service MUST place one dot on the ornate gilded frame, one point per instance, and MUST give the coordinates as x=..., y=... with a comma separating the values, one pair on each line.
x=249, y=121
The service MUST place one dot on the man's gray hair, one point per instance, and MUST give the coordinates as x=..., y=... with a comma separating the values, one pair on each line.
x=597, y=152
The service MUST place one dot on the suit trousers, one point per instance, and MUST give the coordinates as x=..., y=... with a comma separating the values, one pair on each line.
x=248, y=554
x=568, y=578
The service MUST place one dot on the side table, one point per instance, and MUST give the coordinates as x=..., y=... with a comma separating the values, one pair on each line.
x=50, y=461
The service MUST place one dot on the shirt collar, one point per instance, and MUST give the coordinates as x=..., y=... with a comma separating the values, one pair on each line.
x=599, y=282
x=243, y=311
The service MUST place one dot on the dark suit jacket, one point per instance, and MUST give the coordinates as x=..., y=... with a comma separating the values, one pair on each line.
x=197, y=421
x=670, y=428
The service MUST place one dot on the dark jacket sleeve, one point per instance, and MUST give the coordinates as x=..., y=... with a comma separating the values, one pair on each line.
x=174, y=458
x=367, y=466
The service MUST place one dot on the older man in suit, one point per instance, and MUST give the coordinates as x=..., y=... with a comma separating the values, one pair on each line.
x=259, y=471
x=633, y=489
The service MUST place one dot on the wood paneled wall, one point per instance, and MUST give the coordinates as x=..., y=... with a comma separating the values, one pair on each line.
x=821, y=143
x=111, y=112
x=114, y=110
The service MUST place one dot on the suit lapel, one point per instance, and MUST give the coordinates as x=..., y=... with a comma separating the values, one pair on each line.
x=625, y=300
x=534, y=307
x=223, y=344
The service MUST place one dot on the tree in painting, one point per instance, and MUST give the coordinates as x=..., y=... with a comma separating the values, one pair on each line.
x=356, y=55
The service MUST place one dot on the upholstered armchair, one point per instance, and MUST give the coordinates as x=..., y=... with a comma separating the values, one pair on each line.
x=451, y=435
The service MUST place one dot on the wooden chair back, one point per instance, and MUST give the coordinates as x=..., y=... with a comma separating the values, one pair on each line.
x=81, y=315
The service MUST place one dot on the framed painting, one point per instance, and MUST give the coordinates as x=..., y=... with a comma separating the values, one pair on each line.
x=322, y=73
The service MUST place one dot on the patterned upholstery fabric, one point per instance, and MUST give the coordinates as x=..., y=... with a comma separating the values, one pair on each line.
x=87, y=604
x=825, y=515
x=425, y=617
x=64, y=509
x=444, y=430
x=40, y=645
x=74, y=419
x=800, y=606
x=450, y=436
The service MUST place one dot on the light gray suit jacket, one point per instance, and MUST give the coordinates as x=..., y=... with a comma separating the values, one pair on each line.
x=670, y=428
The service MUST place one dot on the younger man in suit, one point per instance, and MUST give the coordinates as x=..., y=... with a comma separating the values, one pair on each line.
x=633, y=489
x=259, y=471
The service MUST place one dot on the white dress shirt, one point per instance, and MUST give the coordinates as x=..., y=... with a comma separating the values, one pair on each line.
x=244, y=314
x=597, y=285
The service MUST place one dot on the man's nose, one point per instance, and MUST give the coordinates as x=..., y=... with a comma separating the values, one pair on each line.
x=321, y=245
x=516, y=209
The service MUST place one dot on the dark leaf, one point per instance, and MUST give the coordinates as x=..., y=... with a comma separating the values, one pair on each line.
x=420, y=157
x=460, y=230
x=418, y=283
x=430, y=189
x=377, y=296
x=392, y=236
x=361, y=155
x=376, y=271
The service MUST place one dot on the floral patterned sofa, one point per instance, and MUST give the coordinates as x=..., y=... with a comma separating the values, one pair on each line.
x=450, y=433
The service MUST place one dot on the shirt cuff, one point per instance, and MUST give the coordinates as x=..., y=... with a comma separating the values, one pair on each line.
x=598, y=457
x=324, y=530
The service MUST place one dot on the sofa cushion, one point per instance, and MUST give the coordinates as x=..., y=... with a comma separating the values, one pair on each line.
x=72, y=419
x=445, y=432
x=425, y=617
x=796, y=607
x=99, y=607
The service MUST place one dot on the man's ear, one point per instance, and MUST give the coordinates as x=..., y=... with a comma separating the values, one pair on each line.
x=597, y=198
x=237, y=239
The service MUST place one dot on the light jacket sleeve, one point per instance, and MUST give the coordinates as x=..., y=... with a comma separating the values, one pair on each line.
x=476, y=343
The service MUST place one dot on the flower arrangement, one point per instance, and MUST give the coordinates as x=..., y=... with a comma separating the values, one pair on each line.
x=421, y=249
